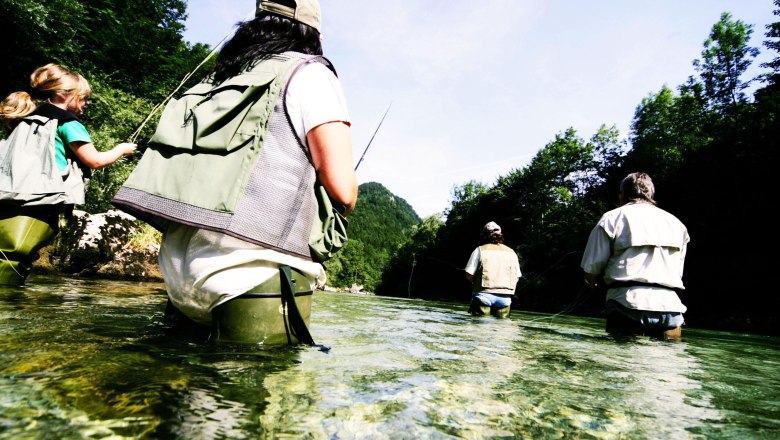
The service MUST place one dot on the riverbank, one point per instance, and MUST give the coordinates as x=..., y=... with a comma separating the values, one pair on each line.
x=114, y=246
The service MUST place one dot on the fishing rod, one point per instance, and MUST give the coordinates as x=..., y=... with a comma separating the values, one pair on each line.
x=372, y=136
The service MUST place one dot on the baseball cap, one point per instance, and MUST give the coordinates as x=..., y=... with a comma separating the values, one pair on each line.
x=491, y=227
x=304, y=11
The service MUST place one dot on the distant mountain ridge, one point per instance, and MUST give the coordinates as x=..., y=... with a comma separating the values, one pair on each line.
x=380, y=217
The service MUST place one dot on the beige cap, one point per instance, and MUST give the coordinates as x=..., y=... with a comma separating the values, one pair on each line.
x=491, y=227
x=304, y=11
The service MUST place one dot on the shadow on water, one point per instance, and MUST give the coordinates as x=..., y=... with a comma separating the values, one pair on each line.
x=97, y=359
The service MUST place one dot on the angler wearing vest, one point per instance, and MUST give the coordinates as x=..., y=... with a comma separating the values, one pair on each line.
x=231, y=174
x=493, y=270
x=640, y=250
x=44, y=164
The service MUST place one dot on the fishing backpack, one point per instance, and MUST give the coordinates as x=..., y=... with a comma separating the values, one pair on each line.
x=28, y=170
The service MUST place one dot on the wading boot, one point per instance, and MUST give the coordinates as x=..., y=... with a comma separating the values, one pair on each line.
x=20, y=239
x=502, y=312
x=265, y=315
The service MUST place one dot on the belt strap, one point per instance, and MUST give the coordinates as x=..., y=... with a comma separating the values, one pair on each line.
x=297, y=324
x=617, y=284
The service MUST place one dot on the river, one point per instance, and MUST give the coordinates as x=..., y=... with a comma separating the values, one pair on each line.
x=95, y=359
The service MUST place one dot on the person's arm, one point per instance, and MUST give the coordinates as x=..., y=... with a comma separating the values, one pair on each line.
x=331, y=151
x=88, y=155
x=472, y=265
x=595, y=257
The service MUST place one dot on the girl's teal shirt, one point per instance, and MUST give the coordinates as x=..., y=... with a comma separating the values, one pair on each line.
x=71, y=131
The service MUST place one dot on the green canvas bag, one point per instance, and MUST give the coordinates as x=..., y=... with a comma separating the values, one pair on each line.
x=329, y=231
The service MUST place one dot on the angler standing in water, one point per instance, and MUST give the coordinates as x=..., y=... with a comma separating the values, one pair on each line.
x=493, y=269
x=230, y=176
x=45, y=164
x=640, y=249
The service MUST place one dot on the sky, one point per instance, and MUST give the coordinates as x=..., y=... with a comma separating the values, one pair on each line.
x=476, y=89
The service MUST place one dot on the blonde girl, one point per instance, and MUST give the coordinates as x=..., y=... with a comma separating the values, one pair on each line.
x=62, y=94
x=35, y=185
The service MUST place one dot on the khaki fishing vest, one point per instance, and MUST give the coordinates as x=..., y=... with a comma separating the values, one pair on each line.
x=226, y=158
x=497, y=269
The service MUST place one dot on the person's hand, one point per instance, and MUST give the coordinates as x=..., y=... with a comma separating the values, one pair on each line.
x=590, y=280
x=127, y=148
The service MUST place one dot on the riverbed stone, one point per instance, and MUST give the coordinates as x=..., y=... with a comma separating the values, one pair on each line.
x=103, y=245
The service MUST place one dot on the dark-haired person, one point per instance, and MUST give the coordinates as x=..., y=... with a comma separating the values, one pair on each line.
x=45, y=164
x=493, y=270
x=212, y=260
x=640, y=250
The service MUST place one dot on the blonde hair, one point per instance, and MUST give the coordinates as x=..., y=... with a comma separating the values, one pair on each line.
x=49, y=82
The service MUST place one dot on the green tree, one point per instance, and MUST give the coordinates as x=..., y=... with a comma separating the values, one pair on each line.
x=666, y=128
x=138, y=44
x=725, y=58
x=37, y=32
x=380, y=224
x=465, y=199
x=398, y=276
x=773, y=43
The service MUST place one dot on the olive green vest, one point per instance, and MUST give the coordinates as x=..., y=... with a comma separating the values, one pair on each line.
x=225, y=157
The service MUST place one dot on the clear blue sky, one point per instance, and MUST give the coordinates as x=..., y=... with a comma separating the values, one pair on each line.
x=477, y=88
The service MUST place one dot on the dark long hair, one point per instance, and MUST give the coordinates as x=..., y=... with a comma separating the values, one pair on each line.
x=261, y=38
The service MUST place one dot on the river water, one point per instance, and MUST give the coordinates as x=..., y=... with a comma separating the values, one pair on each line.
x=96, y=359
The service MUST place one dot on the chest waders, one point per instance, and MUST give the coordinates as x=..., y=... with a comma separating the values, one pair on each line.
x=22, y=234
x=277, y=311
x=479, y=309
x=33, y=190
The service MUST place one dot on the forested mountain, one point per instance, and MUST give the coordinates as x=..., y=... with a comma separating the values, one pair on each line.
x=713, y=154
x=380, y=224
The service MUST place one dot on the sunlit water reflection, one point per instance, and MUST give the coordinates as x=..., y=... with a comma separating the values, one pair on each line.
x=95, y=359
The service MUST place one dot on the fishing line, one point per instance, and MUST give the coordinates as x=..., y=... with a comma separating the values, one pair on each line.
x=409, y=286
x=184, y=80
x=579, y=299
x=10, y=264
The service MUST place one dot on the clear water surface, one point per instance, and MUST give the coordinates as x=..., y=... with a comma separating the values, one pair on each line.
x=95, y=359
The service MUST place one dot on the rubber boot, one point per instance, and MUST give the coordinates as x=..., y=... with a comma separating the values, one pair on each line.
x=478, y=309
x=674, y=334
x=502, y=312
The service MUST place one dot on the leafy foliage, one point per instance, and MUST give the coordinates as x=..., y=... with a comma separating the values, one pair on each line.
x=773, y=43
x=726, y=56
x=380, y=223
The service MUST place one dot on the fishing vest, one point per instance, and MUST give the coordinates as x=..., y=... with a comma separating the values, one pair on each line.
x=225, y=157
x=28, y=170
x=497, y=269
